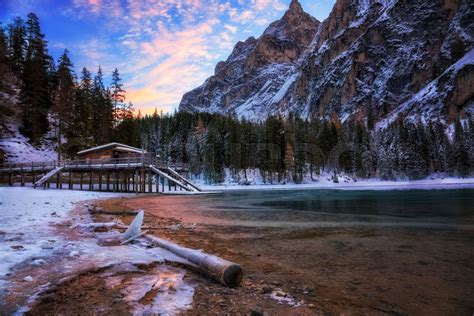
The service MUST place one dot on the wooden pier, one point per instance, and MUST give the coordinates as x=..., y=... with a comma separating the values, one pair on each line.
x=144, y=174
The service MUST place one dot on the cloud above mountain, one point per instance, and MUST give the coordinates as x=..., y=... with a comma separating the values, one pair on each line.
x=162, y=48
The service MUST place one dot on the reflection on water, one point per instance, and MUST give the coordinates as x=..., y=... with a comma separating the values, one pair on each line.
x=432, y=206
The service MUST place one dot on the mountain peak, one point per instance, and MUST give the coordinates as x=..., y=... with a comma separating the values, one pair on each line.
x=295, y=7
x=294, y=11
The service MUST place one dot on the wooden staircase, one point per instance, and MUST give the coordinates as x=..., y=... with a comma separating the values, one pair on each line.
x=183, y=179
x=47, y=176
x=174, y=177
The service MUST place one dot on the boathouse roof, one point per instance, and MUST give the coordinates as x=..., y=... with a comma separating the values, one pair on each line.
x=114, y=146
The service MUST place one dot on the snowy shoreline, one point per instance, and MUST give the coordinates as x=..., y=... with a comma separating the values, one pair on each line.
x=39, y=247
x=370, y=184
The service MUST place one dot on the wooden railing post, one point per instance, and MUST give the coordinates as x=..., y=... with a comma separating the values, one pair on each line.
x=22, y=176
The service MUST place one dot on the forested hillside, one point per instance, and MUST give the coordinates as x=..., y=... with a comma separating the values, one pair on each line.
x=43, y=97
x=292, y=149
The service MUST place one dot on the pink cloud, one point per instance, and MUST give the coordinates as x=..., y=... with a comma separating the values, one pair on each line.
x=171, y=46
x=106, y=7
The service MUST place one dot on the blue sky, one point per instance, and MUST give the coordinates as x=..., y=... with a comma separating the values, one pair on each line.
x=162, y=48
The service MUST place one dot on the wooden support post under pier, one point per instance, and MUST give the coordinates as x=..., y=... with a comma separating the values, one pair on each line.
x=108, y=181
x=82, y=177
x=127, y=181
x=91, y=181
x=22, y=179
x=134, y=185
x=119, y=182
x=116, y=183
x=143, y=183
x=150, y=182
x=100, y=180
x=124, y=184
x=70, y=180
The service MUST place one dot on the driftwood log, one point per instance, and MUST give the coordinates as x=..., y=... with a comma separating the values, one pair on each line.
x=108, y=225
x=226, y=272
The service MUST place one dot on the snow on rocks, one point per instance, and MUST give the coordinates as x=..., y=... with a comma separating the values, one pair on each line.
x=38, y=262
x=74, y=253
x=284, y=298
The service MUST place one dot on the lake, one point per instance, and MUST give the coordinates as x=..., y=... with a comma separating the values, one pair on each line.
x=352, y=207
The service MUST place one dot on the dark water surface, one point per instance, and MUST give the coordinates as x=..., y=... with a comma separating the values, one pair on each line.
x=440, y=206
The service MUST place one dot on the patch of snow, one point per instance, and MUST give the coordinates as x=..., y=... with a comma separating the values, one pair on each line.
x=284, y=298
x=386, y=6
x=255, y=181
x=35, y=251
x=26, y=222
x=362, y=9
x=74, y=253
x=18, y=149
x=284, y=89
x=38, y=262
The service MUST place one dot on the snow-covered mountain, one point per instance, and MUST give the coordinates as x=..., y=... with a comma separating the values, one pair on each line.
x=384, y=58
x=256, y=74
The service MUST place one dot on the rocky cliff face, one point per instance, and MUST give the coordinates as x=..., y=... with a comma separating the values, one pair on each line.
x=255, y=71
x=389, y=58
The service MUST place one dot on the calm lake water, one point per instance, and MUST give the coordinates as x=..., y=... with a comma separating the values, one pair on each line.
x=454, y=206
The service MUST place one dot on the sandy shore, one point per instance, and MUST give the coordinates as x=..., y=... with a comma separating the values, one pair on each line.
x=336, y=270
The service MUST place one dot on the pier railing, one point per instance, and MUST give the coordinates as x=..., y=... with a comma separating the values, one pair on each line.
x=116, y=163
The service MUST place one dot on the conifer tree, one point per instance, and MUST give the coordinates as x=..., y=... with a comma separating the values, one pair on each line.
x=117, y=96
x=63, y=106
x=3, y=57
x=213, y=156
x=289, y=161
x=83, y=110
x=127, y=130
x=35, y=92
x=17, y=44
x=470, y=144
x=102, y=110
x=461, y=155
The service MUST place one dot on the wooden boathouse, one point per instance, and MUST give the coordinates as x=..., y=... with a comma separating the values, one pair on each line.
x=111, y=167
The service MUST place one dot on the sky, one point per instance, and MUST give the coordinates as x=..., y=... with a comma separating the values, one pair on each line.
x=162, y=48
